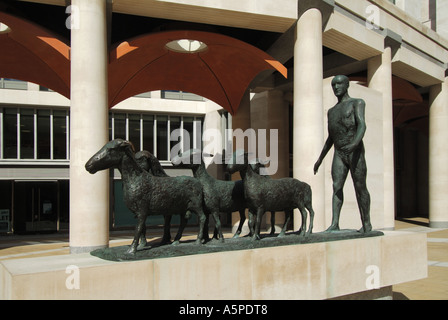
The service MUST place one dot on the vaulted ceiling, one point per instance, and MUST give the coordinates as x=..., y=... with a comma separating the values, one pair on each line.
x=36, y=48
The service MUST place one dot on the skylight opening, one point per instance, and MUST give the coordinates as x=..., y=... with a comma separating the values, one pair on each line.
x=4, y=28
x=186, y=46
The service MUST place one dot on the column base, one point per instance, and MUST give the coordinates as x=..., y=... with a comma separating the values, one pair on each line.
x=438, y=224
x=78, y=250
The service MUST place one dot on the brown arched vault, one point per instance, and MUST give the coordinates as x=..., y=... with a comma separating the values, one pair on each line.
x=32, y=53
x=220, y=70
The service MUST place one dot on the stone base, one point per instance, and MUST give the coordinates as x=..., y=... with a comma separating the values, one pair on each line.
x=323, y=270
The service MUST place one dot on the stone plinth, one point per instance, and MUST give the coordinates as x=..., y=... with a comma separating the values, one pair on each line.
x=306, y=271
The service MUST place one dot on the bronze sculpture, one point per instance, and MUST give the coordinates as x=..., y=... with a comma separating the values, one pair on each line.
x=346, y=128
x=264, y=194
x=146, y=194
x=150, y=163
x=148, y=190
x=219, y=195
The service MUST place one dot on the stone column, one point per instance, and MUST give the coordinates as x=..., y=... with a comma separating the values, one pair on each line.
x=308, y=122
x=270, y=111
x=89, y=194
x=438, y=156
x=380, y=79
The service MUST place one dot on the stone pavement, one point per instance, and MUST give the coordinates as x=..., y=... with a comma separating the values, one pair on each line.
x=435, y=287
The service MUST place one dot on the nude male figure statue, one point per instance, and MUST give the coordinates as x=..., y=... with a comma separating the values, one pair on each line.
x=346, y=129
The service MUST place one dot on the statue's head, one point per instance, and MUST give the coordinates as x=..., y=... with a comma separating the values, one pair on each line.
x=110, y=155
x=148, y=162
x=340, y=85
x=144, y=159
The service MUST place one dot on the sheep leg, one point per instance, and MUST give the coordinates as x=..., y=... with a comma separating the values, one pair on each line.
x=240, y=226
x=142, y=241
x=303, y=212
x=272, y=223
x=215, y=233
x=288, y=215
x=166, y=230
x=218, y=225
x=202, y=219
x=183, y=223
x=311, y=211
x=256, y=235
x=205, y=236
x=251, y=224
x=138, y=232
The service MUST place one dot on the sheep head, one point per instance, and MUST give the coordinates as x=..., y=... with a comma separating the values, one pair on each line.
x=110, y=155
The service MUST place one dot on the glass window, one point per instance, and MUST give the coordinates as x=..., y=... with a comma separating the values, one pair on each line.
x=180, y=95
x=43, y=134
x=10, y=133
x=148, y=133
x=188, y=126
x=59, y=134
x=175, y=124
x=162, y=137
x=119, y=126
x=134, y=130
x=27, y=134
x=14, y=84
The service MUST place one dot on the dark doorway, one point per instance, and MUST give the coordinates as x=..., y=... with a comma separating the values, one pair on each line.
x=36, y=206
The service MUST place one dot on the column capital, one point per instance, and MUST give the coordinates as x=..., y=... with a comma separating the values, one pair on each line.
x=326, y=7
x=392, y=40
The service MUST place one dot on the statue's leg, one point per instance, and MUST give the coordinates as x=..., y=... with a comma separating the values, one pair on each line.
x=288, y=215
x=251, y=223
x=256, y=235
x=205, y=235
x=215, y=233
x=143, y=242
x=303, y=213
x=242, y=220
x=339, y=172
x=138, y=232
x=359, y=176
x=309, y=207
x=180, y=231
x=218, y=225
x=166, y=230
x=202, y=218
x=272, y=223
